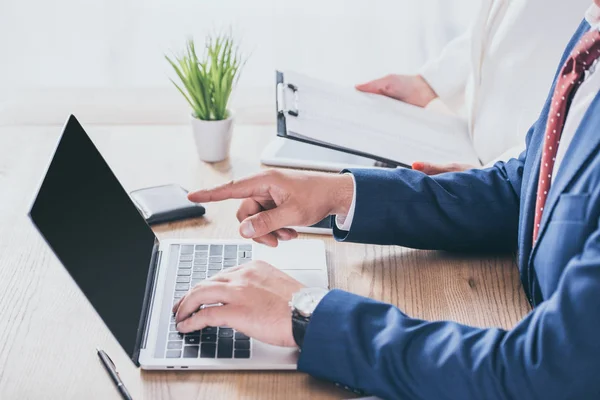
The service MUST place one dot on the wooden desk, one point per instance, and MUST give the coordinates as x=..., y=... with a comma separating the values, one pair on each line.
x=49, y=332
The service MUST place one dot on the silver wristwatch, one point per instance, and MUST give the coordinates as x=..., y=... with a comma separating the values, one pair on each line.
x=303, y=305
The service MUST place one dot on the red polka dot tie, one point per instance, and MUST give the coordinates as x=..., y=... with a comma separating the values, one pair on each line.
x=585, y=53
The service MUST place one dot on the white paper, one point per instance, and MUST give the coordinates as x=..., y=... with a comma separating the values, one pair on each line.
x=377, y=125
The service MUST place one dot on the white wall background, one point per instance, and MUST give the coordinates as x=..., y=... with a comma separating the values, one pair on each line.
x=103, y=59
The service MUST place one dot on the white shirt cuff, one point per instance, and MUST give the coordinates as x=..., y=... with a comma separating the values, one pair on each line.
x=344, y=222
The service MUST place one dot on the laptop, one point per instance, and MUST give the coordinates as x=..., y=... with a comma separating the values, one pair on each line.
x=132, y=278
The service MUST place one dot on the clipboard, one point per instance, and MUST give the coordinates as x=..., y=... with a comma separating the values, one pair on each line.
x=284, y=111
x=368, y=125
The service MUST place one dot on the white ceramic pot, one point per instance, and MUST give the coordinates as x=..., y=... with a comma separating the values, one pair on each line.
x=212, y=138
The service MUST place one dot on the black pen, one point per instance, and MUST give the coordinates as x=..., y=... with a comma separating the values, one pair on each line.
x=114, y=375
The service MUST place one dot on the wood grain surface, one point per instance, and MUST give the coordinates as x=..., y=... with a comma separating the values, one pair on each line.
x=49, y=332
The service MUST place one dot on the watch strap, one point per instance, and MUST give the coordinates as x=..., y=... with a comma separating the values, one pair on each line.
x=299, y=326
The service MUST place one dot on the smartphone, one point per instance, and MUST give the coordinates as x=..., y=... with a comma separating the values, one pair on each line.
x=323, y=227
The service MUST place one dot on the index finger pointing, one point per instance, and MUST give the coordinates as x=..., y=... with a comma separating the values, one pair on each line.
x=240, y=189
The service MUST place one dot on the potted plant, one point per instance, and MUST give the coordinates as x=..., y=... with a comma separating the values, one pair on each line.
x=207, y=86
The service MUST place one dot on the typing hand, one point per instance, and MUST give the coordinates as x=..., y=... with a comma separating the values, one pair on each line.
x=435, y=169
x=276, y=199
x=255, y=300
x=411, y=89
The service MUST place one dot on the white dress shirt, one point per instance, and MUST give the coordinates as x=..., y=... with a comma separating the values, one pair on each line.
x=580, y=104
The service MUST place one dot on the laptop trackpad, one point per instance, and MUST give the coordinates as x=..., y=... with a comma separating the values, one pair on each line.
x=294, y=255
x=310, y=278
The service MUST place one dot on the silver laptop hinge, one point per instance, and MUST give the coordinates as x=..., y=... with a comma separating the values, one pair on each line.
x=152, y=297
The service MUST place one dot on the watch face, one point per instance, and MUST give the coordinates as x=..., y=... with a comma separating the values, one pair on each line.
x=306, y=300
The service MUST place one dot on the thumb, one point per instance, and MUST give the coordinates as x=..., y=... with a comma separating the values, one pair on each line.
x=375, y=86
x=435, y=169
x=429, y=168
x=267, y=221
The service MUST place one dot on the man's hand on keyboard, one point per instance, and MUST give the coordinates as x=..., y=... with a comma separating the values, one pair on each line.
x=255, y=300
x=275, y=199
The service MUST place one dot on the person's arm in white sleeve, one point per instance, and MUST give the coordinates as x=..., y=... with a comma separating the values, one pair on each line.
x=447, y=74
x=444, y=77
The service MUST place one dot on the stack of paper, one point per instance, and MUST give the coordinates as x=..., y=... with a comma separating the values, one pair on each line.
x=376, y=126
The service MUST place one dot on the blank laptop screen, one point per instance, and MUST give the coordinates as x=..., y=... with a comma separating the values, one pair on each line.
x=94, y=229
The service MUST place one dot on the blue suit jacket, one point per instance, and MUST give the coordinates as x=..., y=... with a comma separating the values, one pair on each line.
x=553, y=353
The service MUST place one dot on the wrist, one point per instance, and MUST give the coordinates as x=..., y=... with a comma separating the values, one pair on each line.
x=424, y=93
x=342, y=194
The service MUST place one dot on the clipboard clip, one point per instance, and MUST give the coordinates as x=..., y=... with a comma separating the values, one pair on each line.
x=281, y=99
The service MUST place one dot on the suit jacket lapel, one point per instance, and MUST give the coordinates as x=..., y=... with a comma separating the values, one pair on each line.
x=584, y=144
x=528, y=203
x=532, y=168
x=530, y=178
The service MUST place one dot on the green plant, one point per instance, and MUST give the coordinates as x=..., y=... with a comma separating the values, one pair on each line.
x=208, y=82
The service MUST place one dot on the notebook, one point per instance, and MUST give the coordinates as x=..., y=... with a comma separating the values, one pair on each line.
x=368, y=125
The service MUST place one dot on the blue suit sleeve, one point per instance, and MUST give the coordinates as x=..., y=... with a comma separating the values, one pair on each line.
x=472, y=210
x=476, y=209
x=553, y=353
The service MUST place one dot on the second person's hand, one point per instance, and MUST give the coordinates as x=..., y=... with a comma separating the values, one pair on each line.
x=411, y=89
x=436, y=169
x=275, y=199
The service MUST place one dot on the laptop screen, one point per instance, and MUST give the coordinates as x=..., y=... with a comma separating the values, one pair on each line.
x=88, y=220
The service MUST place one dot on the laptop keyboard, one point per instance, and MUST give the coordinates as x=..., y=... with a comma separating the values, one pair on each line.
x=196, y=263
